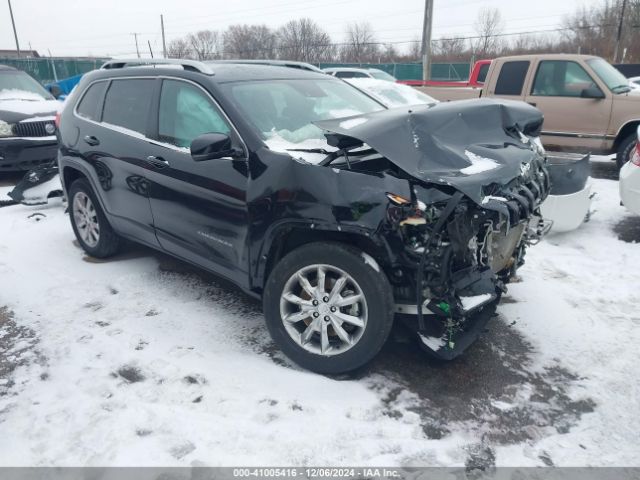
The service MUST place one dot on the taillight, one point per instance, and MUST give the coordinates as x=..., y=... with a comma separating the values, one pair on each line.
x=635, y=158
x=57, y=120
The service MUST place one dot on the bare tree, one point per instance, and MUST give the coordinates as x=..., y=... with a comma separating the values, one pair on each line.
x=488, y=26
x=179, y=48
x=205, y=44
x=249, y=41
x=415, y=50
x=389, y=53
x=305, y=41
x=593, y=30
x=360, y=44
x=451, y=49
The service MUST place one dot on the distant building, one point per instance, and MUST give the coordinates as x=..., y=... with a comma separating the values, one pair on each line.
x=23, y=54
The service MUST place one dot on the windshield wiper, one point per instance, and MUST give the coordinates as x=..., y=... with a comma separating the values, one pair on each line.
x=310, y=150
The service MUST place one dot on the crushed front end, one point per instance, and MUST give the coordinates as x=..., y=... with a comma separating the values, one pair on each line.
x=477, y=177
x=459, y=255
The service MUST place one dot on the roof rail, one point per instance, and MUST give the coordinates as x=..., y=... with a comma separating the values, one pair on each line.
x=192, y=65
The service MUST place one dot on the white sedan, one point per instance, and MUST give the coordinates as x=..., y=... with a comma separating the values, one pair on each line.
x=630, y=181
x=391, y=94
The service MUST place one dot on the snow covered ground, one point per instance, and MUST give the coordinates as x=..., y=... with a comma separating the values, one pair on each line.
x=142, y=360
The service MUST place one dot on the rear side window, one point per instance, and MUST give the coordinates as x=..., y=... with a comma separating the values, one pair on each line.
x=482, y=74
x=91, y=101
x=127, y=104
x=511, y=78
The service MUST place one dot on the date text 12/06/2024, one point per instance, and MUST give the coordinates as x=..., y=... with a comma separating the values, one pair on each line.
x=309, y=472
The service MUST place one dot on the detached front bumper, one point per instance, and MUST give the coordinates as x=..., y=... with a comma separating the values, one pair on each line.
x=630, y=187
x=21, y=153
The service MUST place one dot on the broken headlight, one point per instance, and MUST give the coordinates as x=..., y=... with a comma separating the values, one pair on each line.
x=536, y=143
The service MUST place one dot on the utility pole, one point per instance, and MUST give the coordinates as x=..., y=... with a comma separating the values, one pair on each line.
x=15, y=33
x=150, y=51
x=135, y=35
x=164, y=44
x=426, y=39
x=615, y=53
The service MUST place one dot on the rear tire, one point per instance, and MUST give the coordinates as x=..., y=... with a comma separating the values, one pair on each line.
x=625, y=150
x=319, y=324
x=89, y=223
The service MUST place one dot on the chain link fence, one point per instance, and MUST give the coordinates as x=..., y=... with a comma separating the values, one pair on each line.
x=413, y=71
x=48, y=70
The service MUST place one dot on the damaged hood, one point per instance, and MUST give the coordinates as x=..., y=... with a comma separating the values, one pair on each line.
x=466, y=144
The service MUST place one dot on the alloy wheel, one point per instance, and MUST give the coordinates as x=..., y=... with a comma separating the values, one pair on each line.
x=323, y=309
x=86, y=219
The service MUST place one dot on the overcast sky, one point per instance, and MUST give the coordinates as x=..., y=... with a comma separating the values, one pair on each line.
x=92, y=27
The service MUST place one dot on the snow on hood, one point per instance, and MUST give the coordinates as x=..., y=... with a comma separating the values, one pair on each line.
x=24, y=104
x=466, y=144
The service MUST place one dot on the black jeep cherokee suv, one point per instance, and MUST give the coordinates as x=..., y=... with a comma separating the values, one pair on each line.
x=305, y=192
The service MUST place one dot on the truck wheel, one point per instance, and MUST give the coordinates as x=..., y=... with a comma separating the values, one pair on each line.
x=625, y=150
x=328, y=307
x=89, y=223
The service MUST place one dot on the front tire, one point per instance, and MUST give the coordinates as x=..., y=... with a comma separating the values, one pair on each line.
x=89, y=223
x=328, y=307
x=625, y=150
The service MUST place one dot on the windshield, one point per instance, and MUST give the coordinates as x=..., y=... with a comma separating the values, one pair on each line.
x=282, y=112
x=391, y=94
x=614, y=80
x=381, y=75
x=17, y=85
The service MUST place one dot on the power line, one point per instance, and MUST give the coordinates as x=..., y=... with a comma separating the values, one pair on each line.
x=409, y=41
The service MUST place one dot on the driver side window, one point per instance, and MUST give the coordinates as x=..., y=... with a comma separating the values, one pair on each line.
x=557, y=78
x=186, y=112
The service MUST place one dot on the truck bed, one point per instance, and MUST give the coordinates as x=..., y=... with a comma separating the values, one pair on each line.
x=446, y=94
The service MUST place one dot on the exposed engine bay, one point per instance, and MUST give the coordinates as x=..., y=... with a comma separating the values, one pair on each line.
x=463, y=230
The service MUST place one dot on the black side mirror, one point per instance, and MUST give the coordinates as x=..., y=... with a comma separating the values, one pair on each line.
x=592, y=92
x=210, y=146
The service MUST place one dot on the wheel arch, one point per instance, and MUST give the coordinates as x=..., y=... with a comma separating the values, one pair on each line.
x=287, y=238
x=627, y=129
x=70, y=175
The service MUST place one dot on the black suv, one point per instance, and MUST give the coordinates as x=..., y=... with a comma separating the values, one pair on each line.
x=341, y=215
